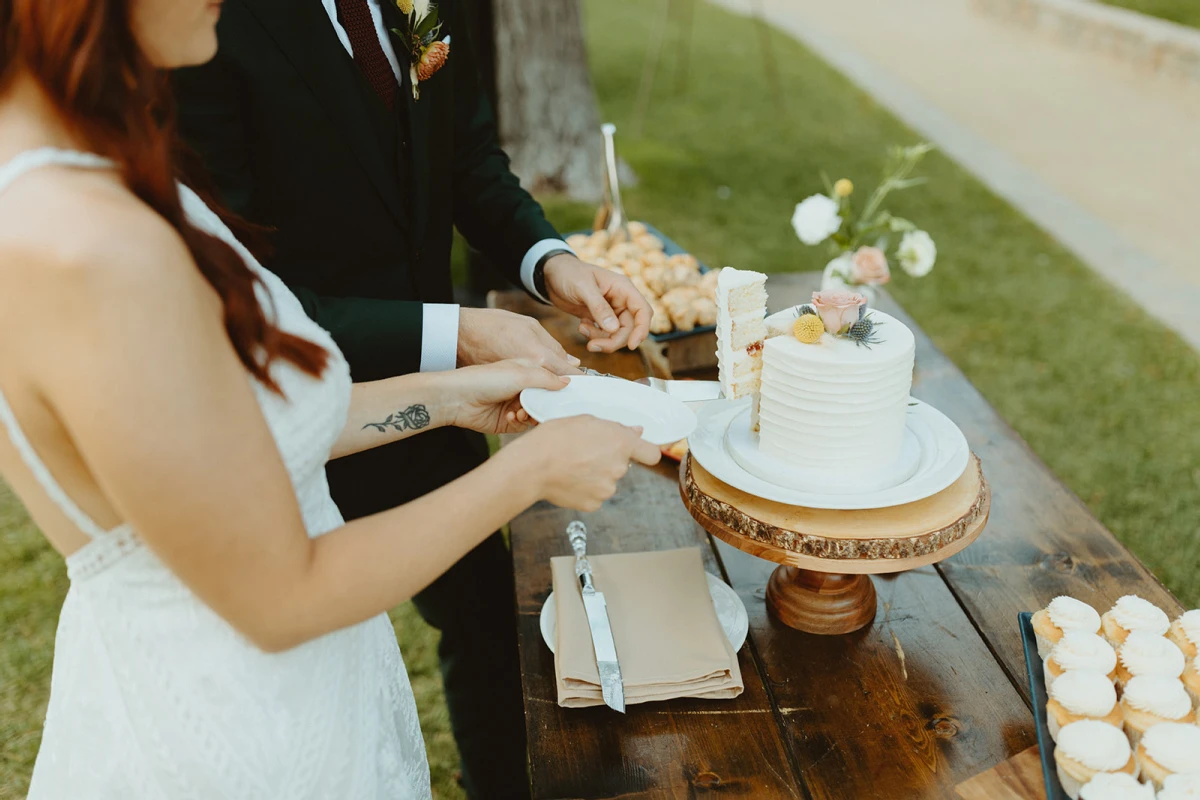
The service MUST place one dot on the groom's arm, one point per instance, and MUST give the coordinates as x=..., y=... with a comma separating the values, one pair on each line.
x=379, y=338
x=491, y=210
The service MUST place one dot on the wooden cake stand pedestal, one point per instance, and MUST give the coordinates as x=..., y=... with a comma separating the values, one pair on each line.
x=825, y=557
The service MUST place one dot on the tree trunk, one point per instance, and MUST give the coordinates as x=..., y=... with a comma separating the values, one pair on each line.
x=546, y=106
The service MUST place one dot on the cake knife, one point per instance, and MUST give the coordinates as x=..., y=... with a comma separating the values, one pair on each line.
x=687, y=391
x=611, y=685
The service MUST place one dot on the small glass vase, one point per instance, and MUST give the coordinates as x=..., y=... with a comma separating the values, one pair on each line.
x=832, y=279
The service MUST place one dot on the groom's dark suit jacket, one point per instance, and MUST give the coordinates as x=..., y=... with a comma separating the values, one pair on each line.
x=362, y=199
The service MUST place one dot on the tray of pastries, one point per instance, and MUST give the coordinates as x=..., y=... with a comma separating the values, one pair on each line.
x=681, y=290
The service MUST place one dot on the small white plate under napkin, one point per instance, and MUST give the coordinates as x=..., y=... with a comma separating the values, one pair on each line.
x=664, y=419
x=731, y=613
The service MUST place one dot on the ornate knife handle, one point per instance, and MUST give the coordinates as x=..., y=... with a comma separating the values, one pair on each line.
x=577, y=534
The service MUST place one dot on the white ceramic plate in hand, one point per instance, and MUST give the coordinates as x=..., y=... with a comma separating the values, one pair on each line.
x=664, y=419
x=731, y=613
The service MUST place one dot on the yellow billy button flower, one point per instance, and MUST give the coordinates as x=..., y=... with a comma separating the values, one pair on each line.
x=405, y=6
x=843, y=188
x=808, y=328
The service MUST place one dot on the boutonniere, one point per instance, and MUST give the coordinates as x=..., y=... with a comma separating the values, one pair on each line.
x=419, y=36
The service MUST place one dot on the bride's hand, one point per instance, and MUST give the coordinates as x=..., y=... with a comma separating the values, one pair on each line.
x=487, y=398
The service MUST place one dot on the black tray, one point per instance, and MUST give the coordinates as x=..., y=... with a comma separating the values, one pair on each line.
x=671, y=249
x=1037, y=693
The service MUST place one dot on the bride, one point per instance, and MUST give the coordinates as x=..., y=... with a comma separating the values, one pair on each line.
x=169, y=411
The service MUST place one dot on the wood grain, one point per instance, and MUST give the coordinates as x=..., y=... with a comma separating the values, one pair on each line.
x=1019, y=778
x=820, y=602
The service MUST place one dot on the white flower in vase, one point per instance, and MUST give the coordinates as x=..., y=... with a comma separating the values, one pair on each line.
x=917, y=253
x=816, y=219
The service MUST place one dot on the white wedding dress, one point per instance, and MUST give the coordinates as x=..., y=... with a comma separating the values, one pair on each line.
x=155, y=696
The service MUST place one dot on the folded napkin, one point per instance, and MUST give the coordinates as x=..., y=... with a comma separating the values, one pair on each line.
x=668, y=639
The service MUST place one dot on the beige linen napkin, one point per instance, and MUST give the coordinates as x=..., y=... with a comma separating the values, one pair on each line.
x=668, y=639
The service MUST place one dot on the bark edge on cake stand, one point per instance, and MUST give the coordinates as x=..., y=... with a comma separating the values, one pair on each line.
x=825, y=556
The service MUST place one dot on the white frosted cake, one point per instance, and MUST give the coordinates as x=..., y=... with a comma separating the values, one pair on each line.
x=837, y=405
x=741, y=309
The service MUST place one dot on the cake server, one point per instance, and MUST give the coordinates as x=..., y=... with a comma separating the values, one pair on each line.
x=611, y=685
x=687, y=391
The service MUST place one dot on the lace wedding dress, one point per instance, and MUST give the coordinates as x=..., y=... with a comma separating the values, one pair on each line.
x=155, y=696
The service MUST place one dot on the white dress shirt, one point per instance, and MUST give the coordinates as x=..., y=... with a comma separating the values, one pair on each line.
x=439, y=321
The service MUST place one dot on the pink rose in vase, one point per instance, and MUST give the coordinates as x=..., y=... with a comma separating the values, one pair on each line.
x=838, y=309
x=869, y=266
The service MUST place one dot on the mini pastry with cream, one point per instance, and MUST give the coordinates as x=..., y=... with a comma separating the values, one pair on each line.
x=1062, y=615
x=1079, y=650
x=1167, y=749
x=1151, y=700
x=1089, y=747
x=1132, y=613
x=1080, y=694
x=1185, y=632
x=1144, y=653
x=1191, y=681
x=1181, y=787
x=1116, y=786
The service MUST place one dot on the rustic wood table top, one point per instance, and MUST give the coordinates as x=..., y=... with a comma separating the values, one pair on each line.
x=932, y=693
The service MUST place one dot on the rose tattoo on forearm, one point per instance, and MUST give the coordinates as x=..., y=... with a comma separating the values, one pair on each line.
x=413, y=418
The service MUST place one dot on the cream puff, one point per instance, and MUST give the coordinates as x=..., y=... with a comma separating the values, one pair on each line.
x=1181, y=787
x=1167, y=749
x=1080, y=694
x=1191, y=681
x=1144, y=653
x=1151, y=700
x=1116, y=786
x=1062, y=615
x=1088, y=748
x=1132, y=613
x=1077, y=650
x=1185, y=632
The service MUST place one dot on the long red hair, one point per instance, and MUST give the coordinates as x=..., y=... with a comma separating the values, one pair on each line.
x=85, y=57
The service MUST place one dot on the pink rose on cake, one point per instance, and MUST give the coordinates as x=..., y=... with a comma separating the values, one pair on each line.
x=838, y=309
x=869, y=266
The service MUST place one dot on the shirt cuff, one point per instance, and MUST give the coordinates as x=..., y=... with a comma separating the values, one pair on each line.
x=533, y=256
x=439, y=337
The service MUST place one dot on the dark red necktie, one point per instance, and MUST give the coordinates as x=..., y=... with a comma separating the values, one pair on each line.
x=368, y=53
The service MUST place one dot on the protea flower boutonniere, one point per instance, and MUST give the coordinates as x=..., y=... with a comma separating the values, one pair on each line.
x=418, y=35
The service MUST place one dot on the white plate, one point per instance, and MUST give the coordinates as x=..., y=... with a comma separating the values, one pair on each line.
x=664, y=419
x=944, y=455
x=731, y=613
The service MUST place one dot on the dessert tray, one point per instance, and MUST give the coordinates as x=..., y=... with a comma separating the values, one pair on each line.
x=1038, y=694
x=935, y=454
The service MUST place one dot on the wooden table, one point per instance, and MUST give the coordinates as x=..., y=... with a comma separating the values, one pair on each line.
x=929, y=695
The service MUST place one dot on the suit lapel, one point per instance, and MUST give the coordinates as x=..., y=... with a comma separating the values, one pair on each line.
x=303, y=32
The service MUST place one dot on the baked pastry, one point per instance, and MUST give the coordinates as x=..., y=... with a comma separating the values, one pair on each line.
x=1151, y=700
x=1063, y=614
x=1191, y=680
x=1088, y=748
x=1167, y=749
x=1144, y=653
x=1132, y=613
x=1081, y=694
x=1079, y=650
x=1185, y=632
x=1181, y=787
x=1116, y=786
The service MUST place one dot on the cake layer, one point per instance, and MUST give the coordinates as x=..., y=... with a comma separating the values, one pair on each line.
x=836, y=404
x=741, y=308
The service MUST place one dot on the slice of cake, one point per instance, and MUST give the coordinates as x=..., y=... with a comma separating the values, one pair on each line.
x=741, y=309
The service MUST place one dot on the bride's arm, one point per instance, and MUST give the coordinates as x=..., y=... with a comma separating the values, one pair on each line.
x=133, y=359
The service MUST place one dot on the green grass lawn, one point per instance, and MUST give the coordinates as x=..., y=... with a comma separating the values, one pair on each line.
x=1105, y=396
x=1186, y=12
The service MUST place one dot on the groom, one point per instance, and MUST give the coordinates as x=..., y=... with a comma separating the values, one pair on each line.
x=310, y=123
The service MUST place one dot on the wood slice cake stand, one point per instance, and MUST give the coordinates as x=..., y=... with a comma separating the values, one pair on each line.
x=825, y=556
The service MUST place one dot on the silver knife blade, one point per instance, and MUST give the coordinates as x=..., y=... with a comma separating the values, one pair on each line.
x=687, y=391
x=612, y=687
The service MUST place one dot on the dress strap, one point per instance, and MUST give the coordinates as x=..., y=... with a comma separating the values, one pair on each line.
x=18, y=166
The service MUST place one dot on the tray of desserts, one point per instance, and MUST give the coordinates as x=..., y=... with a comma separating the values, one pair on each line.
x=1114, y=699
x=681, y=290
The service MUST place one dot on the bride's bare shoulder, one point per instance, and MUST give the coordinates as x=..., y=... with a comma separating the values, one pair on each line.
x=67, y=233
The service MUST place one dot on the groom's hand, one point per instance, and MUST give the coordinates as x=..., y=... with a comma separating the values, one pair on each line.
x=487, y=335
x=611, y=311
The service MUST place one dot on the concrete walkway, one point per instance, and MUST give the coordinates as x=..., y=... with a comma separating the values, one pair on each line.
x=1103, y=156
